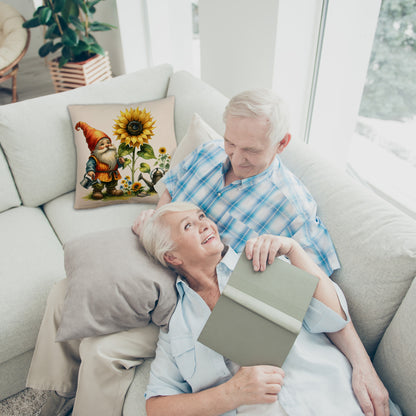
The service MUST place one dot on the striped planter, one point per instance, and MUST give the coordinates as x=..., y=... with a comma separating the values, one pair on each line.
x=78, y=74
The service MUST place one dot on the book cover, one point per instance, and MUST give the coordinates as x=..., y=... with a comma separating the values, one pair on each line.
x=259, y=314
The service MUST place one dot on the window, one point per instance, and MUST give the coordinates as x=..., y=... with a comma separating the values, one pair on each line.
x=383, y=147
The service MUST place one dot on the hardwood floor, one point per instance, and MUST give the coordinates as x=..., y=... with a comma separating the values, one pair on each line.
x=33, y=80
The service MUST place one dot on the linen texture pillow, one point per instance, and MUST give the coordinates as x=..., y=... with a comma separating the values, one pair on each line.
x=113, y=286
x=198, y=133
x=122, y=151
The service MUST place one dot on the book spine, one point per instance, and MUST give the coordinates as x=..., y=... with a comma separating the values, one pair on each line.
x=263, y=309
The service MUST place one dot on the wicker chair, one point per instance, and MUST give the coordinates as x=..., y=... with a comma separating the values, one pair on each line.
x=14, y=42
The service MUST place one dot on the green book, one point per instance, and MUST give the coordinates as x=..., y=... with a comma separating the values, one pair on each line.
x=259, y=314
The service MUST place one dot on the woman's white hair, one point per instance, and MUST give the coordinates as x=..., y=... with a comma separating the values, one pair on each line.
x=156, y=235
x=261, y=103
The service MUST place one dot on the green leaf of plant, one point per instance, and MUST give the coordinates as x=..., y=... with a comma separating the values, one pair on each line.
x=62, y=61
x=100, y=27
x=96, y=48
x=45, y=49
x=92, y=3
x=70, y=37
x=127, y=162
x=70, y=9
x=77, y=23
x=144, y=167
x=56, y=46
x=58, y=5
x=34, y=22
x=66, y=53
x=44, y=15
x=82, y=47
x=52, y=31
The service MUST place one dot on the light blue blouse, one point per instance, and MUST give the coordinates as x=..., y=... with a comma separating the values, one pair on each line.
x=317, y=375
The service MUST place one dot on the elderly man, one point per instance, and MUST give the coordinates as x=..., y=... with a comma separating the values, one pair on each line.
x=315, y=377
x=241, y=185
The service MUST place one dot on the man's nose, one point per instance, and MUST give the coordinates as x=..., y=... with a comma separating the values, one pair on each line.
x=238, y=156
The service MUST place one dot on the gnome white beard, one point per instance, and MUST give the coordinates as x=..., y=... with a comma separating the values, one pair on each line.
x=107, y=156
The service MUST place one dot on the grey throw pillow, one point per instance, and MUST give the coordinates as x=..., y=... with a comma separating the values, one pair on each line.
x=113, y=286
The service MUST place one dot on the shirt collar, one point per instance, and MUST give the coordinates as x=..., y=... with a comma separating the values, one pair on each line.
x=252, y=179
x=224, y=269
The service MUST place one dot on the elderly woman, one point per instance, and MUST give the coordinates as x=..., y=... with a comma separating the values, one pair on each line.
x=188, y=378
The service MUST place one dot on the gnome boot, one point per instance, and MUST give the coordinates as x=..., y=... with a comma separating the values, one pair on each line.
x=97, y=195
x=114, y=192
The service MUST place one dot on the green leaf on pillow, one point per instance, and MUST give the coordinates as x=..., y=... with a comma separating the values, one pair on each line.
x=146, y=152
x=144, y=167
x=124, y=149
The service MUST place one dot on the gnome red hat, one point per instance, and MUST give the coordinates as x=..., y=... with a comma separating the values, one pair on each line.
x=92, y=135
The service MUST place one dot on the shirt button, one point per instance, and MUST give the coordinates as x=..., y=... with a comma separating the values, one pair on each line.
x=219, y=194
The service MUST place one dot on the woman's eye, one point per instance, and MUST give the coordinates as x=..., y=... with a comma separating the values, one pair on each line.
x=202, y=216
x=187, y=226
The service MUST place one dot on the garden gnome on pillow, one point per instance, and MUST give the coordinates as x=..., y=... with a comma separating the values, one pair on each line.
x=103, y=163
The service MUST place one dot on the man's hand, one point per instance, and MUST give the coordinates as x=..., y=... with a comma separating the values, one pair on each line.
x=255, y=385
x=91, y=174
x=371, y=394
x=141, y=219
x=264, y=249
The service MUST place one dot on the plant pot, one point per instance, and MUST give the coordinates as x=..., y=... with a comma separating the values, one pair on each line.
x=78, y=74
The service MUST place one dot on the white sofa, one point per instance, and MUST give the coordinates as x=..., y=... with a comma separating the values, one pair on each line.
x=376, y=243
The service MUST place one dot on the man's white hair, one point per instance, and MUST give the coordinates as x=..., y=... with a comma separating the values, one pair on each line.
x=155, y=234
x=261, y=104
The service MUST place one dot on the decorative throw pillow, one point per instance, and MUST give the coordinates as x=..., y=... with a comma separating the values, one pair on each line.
x=122, y=151
x=198, y=133
x=113, y=286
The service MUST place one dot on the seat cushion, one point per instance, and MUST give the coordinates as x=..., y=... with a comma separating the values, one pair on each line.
x=9, y=196
x=70, y=223
x=375, y=242
x=394, y=359
x=134, y=404
x=31, y=261
x=47, y=132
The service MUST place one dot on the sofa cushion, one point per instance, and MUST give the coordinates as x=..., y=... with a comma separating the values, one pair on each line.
x=9, y=196
x=145, y=155
x=394, y=359
x=113, y=286
x=374, y=241
x=195, y=96
x=42, y=127
x=134, y=404
x=31, y=260
x=69, y=223
x=198, y=133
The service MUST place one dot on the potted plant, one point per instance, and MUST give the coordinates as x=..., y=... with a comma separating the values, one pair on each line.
x=68, y=33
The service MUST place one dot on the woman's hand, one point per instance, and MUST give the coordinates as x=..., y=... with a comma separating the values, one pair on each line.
x=264, y=249
x=141, y=219
x=255, y=385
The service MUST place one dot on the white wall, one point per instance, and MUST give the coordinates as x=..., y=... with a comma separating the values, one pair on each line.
x=170, y=30
x=133, y=44
x=238, y=42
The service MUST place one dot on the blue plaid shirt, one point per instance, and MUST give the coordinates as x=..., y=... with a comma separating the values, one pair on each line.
x=273, y=202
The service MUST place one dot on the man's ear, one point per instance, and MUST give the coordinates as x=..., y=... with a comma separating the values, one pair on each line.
x=283, y=143
x=170, y=258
